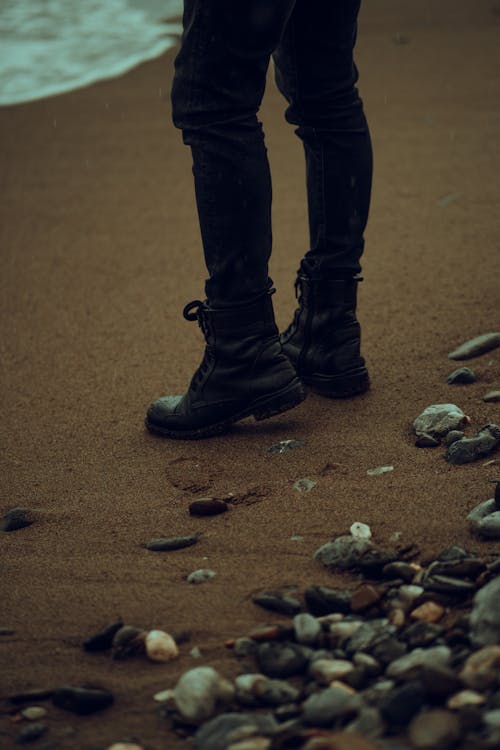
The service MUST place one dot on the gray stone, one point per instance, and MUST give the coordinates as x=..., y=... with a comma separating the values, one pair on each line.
x=286, y=445
x=485, y=615
x=343, y=553
x=103, y=639
x=221, y=731
x=167, y=544
x=31, y=733
x=407, y=666
x=82, y=701
x=437, y=729
x=368, y=723
x=306, y=628
x=365, y=635
x=489, y=526
x=202, y=575
x=492, y=397
x=452, y=436
x=470, y=449
x=402, y=703
x=476, y=346
x=461, y=376
x=422, y=634
x=321, y=709
x=199, y=693
x=281, y=659
x=438, y=419
x=283, y=603
x=16, y=518
x=322, y=600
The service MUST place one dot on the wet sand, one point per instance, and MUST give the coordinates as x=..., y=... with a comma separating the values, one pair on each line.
x=100, y=249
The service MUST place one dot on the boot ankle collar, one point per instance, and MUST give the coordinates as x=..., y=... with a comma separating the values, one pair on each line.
x=334, y=290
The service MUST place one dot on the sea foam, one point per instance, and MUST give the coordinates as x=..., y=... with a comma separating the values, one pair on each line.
x=48, y=47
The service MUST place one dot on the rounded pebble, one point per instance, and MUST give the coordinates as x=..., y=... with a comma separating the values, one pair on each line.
x=168, y=544
x=207, y=506
x=32, y=713
x=31, y=733
x=17, y=518
x=202, y=575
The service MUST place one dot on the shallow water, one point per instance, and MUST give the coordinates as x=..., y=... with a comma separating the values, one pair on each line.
x=48, y=47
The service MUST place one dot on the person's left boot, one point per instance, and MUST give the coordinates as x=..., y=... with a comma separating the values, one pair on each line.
x=243, y=373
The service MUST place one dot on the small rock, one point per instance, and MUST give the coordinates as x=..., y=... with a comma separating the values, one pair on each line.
x=253, y=743
x=207, y=506
x=306, y=628
x=128, y=641
x=365, y=597
x=199, y=692
x=379, y=470
x=37, y=694
x=360, y=530
x=280, y=659
x=407, y=666
x=245, y=647
x=470, y=449
x=322, y=600
x=489, y=527
x=160, y=646
x=163, y=695
x=496, y=482
x=439, y=682
x=481, y=669
x=368, y=723
x=82, y=701
x=436, y=729
x=31, y=733
x=406, y=571
x=201, y=575
x=103, y=639
x=402, y=703
x=465, y=698
x=17, y=518
x=348, y=740
x=387, y=649
x=438, y=419
x=461, y=376
x=167, y=544
x=485, y=615
x=449, y=585
x=350, y=553
x=304, y=485
x=428, y=612
x=321, y=709
x=492, y=397
x=125, y=746
x=196, y=652
x=220, y=731
x=452, y=436
x=340, y=632
x=286, y=445
x=32, y=713
x=476, y=346
x=325, y=671
x=427, y=441
x=285, y=604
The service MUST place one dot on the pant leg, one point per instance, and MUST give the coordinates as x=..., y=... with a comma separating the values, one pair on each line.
x=315, y=71
x=219, y=81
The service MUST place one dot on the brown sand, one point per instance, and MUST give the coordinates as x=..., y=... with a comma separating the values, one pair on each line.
x=100, y=251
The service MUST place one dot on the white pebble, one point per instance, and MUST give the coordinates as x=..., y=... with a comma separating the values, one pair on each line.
x=361, y=530
x=379, y=470
x=160, y=646
x=32, y=713
x=201, y=576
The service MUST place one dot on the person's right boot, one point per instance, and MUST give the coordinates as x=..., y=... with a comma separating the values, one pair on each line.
x=323, y=340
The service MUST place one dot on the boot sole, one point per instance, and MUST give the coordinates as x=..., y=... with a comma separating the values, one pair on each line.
x=347, y=385
x=264, y=408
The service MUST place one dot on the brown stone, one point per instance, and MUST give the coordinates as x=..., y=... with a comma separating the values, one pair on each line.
x=481, y=668
x=434, y=730
x=428, y=612
x=364, y=597
x=340, y=741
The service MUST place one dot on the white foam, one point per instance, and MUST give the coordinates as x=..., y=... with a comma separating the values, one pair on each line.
x=48, y=47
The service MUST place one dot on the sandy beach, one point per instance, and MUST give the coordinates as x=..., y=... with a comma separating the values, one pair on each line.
x=101, y=251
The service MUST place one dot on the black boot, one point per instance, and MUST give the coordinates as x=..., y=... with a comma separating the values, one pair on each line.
x=323, y=340
x=243, y=373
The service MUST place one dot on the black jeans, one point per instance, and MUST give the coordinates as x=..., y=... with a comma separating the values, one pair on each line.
x=219, y=82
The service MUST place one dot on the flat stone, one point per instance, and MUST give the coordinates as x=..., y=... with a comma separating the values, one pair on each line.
x=281, y=659
x=461, y=376
x=325, y=671
x=402, y=703
x=321, y=709
x=436, y=729
x=485, y=615
x=167, y=544
x=448, y=585
x=103, y=639
x=365, y=597
x=407, y=666
x=489, y=526
x=470, y=449
x=322, y=600
x=33, y=713
x=438, y=419
x=286, y=445
x=480, y=511
x=207, y=506
x=348, y=740
x=220, y=731
x=285, y=604
x=476, y=346
x=465, y=698
x=406, y=571
x=82, y=701
x=427, y=441
x=29, y=696
x=17, y=518
x=202, y=575
x=492, y=397
x=428, y=612
x=421, y=634
x=387, y=649
x=481, y=669
x=468, y=567
x=452, y=436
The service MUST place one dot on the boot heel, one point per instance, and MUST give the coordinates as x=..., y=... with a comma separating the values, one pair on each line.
x=285, y=399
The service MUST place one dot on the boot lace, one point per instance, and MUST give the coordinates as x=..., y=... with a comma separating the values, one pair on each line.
x=196, y=310
x=289, y=332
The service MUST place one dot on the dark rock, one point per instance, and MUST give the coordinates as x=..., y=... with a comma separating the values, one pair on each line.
x=31, y=696
x=364, y=597
x=281, y=659
x=453, y=553
x=421, y=634
x=427, y=441
x=476, y=346
x=496, y=482
x=128, y=641
x=17, y=518
x=469, y=567
x=167, y=544
x=216, y=733
x=387, y=649
x=398, y=569
x=439, y=682
x=307, y=629
x=324, y=707
x=207, y=506
x=453, y=436
x=462, y=375
x=103, y=639
x=402, y=703
x=285, y=604
x=7, y=631
x=447, y=585
x=470, y=449
x=366, y=635
x=321, y=600
x=31, y=733
x=82, y=701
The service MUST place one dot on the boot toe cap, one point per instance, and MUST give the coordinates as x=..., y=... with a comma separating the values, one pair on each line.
x=162, y=409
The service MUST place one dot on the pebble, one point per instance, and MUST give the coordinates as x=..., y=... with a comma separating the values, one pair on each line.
x=438, y=419
x=202, y=575
x=306, y=628
x=36, y=694
x=485, y=615
x=427, y=441
x=401, y=703
x=325, y=671
x=465, y=698
x=160, y=646
x=408, y=665
x=350, y=553
x=254, y=743
x=31, y=733
x=200, y=691
x=32, y=713
x=284, y=604
x=496, y=482
x=360, y=530
x=470, y=449
x=364, y=597
x=436, y=729
x=17, y=518
x=281, y=659
x=286, y=445
x=220, y=731
x=128, y=641
x=462, y=375
x=125, y=746
x=489, y=526
x=103, y=639
x=322, y=600
x=406, y=571
x=476, y=346
x=167, y=544
x=304, y=485
x=379, y=470
x=207, y=506
x=428, y=612
x=452, y=436
x=82, y=701
x=321, y=709
x=340, y=741
x=492, y=397
x=449, y=585
x=481, y=669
